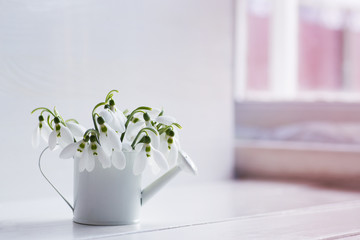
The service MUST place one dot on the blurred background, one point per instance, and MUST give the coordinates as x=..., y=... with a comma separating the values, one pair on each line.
x=262, y=88
x=297, y=89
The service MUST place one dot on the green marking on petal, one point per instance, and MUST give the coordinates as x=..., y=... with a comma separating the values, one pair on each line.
x=135, y=120
x=103, y=128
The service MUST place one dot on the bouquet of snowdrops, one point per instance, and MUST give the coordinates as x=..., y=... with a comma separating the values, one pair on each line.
x=145, y=131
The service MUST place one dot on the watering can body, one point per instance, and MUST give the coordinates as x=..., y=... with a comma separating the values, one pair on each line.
x=107, y=196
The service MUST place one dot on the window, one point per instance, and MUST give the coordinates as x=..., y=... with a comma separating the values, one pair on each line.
x=297, y=87
x=298, y=50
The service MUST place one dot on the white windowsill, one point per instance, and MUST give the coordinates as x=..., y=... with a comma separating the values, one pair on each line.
x=324, y=162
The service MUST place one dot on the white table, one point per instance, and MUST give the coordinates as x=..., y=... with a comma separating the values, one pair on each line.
x=244, y=209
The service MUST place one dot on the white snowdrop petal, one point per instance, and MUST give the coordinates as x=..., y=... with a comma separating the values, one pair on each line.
x=69, y=151
x=154, y=113
x=66, y=135
x=173, y=155
x=52, y=140
x=155, y=139
x=167, y=120
x=89, y=162
x=105, y=143
x=90, y=157
x=164, y=145
x=82, y=164
x=126, y=147
x=177, y=135
x=138, y=147
x=133, y=130
x=106, y=115
x=103, y=158
x=45, y=132
x=177, y=142
x=116, y=123
x=154, y=167
x=118, y=160
x=159, y=159
x=114, y=139
x=140, y=162
x=76, y=129
x=120, y=115
x=35, y=139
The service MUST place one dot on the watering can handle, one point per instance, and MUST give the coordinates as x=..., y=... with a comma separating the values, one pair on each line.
x=52, y=185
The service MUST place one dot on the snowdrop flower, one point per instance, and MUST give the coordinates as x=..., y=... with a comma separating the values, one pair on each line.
x=133, y=128
x=79, y=151
x=60, y=135
x=76, y=129
x=148, y=155
x=137, y=124
x=166, y=120
x=97, y=153
x=110, y=141
x=114, y=117
x=42, y=130
x=170, y=146
x=118, y=159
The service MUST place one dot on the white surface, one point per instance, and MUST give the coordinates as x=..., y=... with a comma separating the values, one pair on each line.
x=69, y=54
x=232, y=210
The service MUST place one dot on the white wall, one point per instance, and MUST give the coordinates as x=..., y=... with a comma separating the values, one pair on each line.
x=171, y=54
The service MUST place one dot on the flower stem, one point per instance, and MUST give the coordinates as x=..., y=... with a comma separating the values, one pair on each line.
x=44, y=109
x=49, y=123
x=139, y=133
x=72, y=120
x=91, y=131
x=110, y=95
x=139, y=109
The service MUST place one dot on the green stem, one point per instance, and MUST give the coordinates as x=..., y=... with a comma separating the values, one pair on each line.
x=177, y=125
x=72, y=120
x=161, y=131
x=44, y=109
x=130, y=117
x=110, y=95
x=91, y=131
x=96, y=106
x=94, y=121
x=94, y=114
x=48, y=122
x=139, y=133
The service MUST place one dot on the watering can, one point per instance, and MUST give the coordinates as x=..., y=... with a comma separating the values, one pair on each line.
x=109, y=196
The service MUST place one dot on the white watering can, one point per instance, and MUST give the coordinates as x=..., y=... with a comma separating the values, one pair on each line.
x=114, y=197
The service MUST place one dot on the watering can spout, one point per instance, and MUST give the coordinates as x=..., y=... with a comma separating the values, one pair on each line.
x=184, y=164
